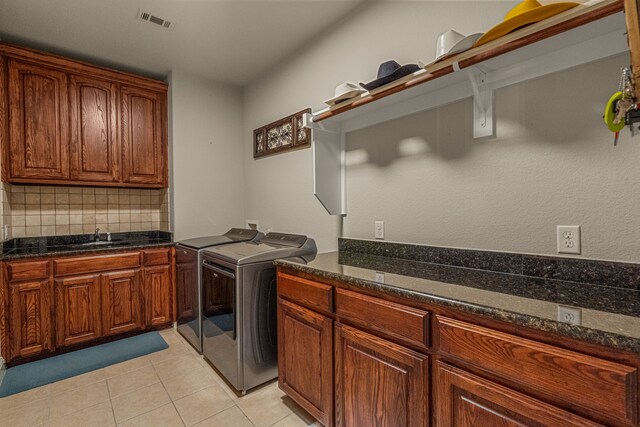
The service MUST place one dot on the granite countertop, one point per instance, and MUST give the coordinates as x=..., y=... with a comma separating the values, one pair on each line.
x=31, y=247
x=610, y=315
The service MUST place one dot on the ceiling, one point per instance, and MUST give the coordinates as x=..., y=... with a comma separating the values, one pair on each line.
x=232, y=41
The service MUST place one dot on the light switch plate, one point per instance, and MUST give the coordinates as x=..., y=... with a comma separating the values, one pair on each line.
x=379, y=229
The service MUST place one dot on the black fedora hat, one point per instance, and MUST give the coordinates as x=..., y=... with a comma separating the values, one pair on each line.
x=389, y=71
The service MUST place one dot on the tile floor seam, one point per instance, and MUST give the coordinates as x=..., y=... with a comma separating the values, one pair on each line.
x=171, y=399
x=113, y=412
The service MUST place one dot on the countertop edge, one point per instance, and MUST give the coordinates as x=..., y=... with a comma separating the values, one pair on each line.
x=11, y=257
x=580, y=333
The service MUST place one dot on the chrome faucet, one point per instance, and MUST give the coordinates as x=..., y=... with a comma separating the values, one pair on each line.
x=96, y=236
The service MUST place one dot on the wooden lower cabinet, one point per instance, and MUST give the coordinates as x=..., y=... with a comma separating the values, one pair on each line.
x=466, y=400
x=60, y=302
x=305, y=365
x=378, y=383
x=405, y=363
x=121, y=302
x=30, y=316
x=77, y=309
x=157, y=295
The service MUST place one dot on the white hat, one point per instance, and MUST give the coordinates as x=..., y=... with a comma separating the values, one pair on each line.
x=344, y=91
x=452, y=42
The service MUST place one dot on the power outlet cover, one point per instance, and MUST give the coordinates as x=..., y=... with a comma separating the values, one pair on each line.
x=568, y=238
x=571, y=315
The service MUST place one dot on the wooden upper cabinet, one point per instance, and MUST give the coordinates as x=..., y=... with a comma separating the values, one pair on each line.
x=67, y=122
x=77, y=309
x=466, y=400
x=95, y=149
x=144, y=144
x=30, y=316
x=38, y=122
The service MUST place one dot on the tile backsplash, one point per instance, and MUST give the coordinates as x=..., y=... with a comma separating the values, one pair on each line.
x=52, y=210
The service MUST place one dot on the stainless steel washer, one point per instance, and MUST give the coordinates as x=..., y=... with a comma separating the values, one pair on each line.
x=188, y=279
x=239, y=319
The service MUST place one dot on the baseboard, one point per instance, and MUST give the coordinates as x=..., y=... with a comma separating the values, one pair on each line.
x=3, y=370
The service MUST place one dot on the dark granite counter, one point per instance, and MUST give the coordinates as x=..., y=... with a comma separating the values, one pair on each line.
x=610, y=314
x=31, y=247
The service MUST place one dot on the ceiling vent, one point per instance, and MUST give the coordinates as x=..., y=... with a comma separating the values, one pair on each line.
x=152, y=19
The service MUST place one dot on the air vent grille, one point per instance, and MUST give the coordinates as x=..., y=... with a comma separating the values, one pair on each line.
x=152, y=19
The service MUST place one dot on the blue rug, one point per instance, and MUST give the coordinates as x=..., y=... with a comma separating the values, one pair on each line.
x=45, y=371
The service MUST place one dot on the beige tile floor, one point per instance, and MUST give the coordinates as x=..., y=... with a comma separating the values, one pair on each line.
x=173, y=387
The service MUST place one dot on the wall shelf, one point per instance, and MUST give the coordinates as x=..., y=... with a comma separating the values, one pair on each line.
x=575, y=37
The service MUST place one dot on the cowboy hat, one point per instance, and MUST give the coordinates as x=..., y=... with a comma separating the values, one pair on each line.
x=389, y=71
x=344, y=91
x=525, y=13
x=452, y=42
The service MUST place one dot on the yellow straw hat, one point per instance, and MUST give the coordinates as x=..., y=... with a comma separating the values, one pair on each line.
x=525, y=13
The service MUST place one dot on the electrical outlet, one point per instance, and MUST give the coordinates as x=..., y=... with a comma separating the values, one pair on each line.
x=379, y=229
x=568, y=237
x=379, y=277
x=569, y=315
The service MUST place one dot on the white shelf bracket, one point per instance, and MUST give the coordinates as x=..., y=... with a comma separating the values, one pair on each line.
x=483, y=123
x=328, y=150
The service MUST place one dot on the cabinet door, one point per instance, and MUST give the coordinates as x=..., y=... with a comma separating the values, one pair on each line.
x=77, y=309
x=30, y=318
x=378, y=383
x=39, y=122
x=95, y=152
x=157, y=295
x=144, y=144
x=121, y=302
x=466, y=400
x=186, y=288
x=305, y=359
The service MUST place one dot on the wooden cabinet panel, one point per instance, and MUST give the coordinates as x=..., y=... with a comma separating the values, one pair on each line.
x=39, y=122
x=561, y=375
x=466, y=400
x=77, y=309
x=156, y=257
x=307, y=293
x=378, y=383
x=305, y=359
x=95, y=147
x=186, y=297
x=95, y=263
x=157, y=294
x=30, y=306
x=143, y=136
x=27, y=270
x=121, y=302
x=400, y=322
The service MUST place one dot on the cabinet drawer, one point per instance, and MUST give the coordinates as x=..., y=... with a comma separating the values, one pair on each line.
x=156, y=257
x=306, y=292
x=406, y=324
x=29, y=270
x=561, y=375
x=93, y=264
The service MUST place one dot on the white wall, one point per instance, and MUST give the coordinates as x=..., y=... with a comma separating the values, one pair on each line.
x=278, y=189
x=207, y=178
x=552, y=162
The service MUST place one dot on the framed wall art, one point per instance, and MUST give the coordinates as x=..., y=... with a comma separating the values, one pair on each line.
x=282, y=135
